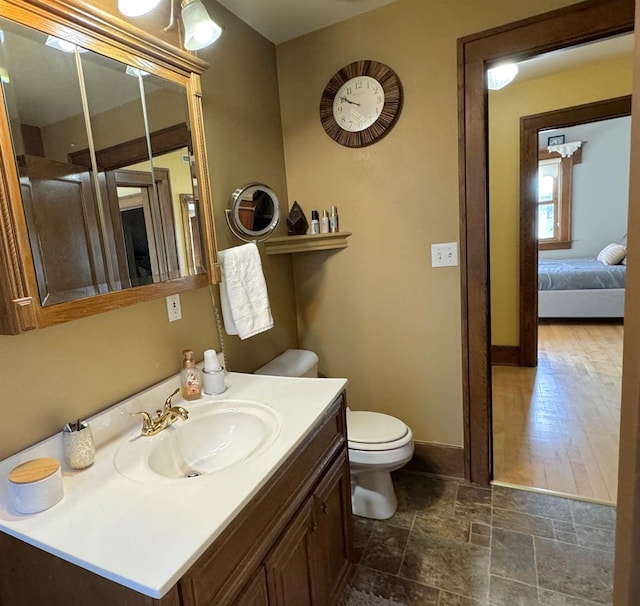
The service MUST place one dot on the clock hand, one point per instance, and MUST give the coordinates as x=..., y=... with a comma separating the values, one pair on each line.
x=349, y=101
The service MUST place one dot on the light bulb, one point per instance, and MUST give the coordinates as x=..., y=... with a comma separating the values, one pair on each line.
x=63, y=45
x=199, y=29
x=135, y=8
x=498, y=77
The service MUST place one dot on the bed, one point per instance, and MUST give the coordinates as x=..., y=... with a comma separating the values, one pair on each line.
x=580, y=288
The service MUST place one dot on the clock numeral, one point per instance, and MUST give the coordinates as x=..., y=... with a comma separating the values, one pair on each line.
x=375, y=89
x=339, y=109
x=349, y=91
x=380, y=99
x=358, y=84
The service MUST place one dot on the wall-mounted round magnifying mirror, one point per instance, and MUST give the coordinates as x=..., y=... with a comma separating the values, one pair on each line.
x=253, y=212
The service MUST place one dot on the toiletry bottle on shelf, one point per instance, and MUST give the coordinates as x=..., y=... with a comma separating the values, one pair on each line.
x=315, y=223
x=212, y=374
x=189, y=377
x=324, y=223
x=333, y=220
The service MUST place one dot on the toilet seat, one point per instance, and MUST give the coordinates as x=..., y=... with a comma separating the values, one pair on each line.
x=371, y=431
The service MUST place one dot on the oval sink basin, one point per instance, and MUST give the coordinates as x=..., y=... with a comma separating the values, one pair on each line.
x=216, y=436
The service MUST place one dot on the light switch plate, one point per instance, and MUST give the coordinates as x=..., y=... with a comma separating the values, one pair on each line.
x=444, y=255
x=173, y=307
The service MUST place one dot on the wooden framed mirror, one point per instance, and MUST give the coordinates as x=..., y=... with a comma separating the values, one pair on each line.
x=101, y=141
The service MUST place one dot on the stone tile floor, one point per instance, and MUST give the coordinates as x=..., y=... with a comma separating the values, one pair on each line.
x=452, y=544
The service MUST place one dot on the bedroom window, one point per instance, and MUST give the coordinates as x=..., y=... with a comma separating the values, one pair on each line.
x=554, y=201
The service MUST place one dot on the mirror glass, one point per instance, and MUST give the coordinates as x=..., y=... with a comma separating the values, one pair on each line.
x=105, y=160
x=253, y=212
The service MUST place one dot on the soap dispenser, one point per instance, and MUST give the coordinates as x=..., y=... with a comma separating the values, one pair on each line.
x=189, y=377
x=212, y=374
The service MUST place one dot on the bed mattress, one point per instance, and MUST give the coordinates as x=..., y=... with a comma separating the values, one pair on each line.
x=579, y=274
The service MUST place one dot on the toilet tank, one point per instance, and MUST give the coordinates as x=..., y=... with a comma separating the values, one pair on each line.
x=292, y=363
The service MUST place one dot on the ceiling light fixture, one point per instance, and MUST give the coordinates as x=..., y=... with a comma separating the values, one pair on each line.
x=199, y=29
x=63, y=45
x=498, y=77
x=135, y=8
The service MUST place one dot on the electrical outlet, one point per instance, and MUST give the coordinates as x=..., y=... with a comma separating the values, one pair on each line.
x=444, y=255
x=173, y=307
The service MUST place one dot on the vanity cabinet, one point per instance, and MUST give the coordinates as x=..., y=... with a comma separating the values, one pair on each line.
x=311, y=557
x=291, y=545
x=298, y=529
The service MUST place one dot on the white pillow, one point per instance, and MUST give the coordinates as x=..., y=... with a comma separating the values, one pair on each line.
x=612, y=254
x=624, y=261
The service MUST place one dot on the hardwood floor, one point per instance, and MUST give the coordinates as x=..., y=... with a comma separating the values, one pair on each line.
x=556, y=427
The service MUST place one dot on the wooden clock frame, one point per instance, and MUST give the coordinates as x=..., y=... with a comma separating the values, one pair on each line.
x=392, y=103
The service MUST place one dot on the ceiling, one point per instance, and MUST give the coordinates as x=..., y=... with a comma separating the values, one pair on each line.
x=282, y=20
x=577, y=56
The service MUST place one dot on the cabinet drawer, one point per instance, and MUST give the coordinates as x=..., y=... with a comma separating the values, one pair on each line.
x=224, y=568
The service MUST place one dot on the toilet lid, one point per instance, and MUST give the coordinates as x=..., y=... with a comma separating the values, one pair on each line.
x=373, y=427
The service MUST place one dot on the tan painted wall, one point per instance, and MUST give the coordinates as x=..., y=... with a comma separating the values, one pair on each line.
x=51, y=376
x=603, y=80
x=377, y=312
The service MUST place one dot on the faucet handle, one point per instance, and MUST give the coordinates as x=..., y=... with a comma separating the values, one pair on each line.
x=167, y=402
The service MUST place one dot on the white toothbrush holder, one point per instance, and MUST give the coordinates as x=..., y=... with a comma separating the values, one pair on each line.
x=213, y=382
x=79, y=447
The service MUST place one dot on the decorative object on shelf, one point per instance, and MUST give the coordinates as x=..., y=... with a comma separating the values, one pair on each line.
x=361, y=103
x=555, y=140
x=78, y=445
x=566, y=150
x=297, y=223
x=253, y=212
x=199, y=29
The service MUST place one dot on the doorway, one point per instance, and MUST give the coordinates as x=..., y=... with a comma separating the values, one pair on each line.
x=584, y=22
x=579, y=23
x=555, y=416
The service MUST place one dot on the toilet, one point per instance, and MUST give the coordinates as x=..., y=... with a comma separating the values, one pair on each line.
x=378, y=443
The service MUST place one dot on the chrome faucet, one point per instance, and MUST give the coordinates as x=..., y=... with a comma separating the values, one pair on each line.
x=163, y=418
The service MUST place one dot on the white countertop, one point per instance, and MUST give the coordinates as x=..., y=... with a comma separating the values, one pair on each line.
x=145, y=535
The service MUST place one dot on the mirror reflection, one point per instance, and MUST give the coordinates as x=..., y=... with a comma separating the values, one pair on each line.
x=253, y=212
x=104, y=156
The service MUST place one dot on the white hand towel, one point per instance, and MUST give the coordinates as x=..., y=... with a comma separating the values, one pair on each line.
x=243, y=292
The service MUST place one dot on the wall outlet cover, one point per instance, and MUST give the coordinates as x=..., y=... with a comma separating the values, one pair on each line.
x=173, y=308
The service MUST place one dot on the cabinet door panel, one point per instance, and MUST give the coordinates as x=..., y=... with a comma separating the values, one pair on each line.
x=255, y=594
x=289, y=565
x=332, y=531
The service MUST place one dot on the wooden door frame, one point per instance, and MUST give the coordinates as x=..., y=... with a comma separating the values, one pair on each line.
x=529, y=127
x=576, y=24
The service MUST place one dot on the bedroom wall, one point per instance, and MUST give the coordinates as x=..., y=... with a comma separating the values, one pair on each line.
x=377, y=312
x=600, y=186
x=603, y=80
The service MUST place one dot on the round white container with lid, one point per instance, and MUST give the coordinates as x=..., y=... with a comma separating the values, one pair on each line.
x=36, y=485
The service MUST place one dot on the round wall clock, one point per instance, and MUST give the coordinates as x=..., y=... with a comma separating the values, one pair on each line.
x=361, y=103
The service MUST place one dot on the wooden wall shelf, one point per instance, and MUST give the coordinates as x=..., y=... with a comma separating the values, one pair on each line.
x=306, y=243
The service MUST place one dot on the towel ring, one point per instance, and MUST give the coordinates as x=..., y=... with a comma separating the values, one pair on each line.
x=253, y=212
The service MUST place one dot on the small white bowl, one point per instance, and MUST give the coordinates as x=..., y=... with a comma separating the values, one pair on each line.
x=36, y=485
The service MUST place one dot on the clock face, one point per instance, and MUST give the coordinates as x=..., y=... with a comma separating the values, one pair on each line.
x=358, y=103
